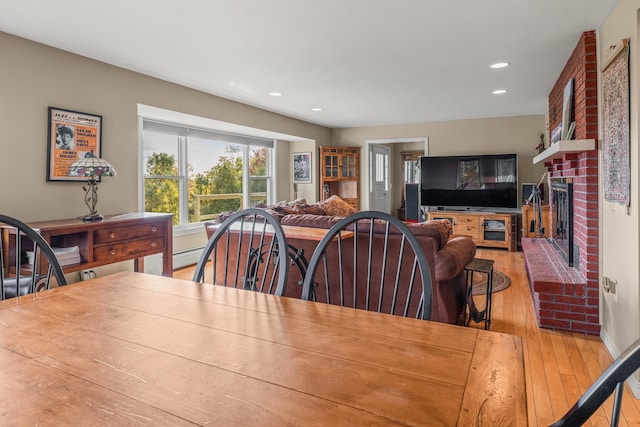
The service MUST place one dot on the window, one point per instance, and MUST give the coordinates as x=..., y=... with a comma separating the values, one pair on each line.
x=411, y=166
x=196, y=174
x=382, y=170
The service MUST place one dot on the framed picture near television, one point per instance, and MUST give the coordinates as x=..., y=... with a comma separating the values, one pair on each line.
x=556, y=134
x=567, y=109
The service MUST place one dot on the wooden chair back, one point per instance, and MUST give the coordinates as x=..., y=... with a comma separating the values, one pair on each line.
x=22, y=271
x=381, y=267
x=249, y=251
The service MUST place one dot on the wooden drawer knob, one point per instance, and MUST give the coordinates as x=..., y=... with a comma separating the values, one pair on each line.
x=112, y=235
x=154, y=229
x=112, y=252
x=154, y=244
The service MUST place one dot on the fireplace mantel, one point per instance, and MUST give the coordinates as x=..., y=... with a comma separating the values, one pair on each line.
x=560, y=148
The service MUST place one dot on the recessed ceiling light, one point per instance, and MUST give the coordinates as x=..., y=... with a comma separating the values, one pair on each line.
x=500, y=65
x=316, y=109
x=275, y=93
x=499, y=91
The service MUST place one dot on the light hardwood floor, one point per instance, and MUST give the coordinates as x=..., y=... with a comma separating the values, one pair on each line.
x=559, y=366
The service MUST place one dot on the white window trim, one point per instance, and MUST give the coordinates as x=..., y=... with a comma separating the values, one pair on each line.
x=169, y=116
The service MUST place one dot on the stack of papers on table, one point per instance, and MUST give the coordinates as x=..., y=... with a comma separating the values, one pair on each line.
x=66, y=256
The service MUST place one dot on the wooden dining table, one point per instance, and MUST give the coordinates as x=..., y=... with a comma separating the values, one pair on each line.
x=138, y=349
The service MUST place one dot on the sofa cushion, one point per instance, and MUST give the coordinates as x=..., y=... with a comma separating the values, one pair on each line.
x=295, y=202
x=277, y=214
x=431, y=229
x=282, y=210
x=310, y=220
x=440, y=229
x=335, y=206
x=309, y=209
x=224, y=215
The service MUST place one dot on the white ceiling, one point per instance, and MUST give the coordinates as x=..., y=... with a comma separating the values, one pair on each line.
x=365, y=62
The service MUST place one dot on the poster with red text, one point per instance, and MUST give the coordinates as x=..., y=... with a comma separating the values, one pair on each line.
x=71, y=136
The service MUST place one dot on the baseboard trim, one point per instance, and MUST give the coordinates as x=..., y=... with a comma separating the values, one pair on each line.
x=632, y=381
x=187, y=257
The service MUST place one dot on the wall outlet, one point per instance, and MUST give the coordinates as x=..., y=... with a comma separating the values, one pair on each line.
x=87, y=274
x=614, y=289
x=610, y=286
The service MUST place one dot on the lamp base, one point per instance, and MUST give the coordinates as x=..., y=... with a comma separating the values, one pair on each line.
x=92, y=218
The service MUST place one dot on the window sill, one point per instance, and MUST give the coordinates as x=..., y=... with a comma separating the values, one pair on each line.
x=186, y=230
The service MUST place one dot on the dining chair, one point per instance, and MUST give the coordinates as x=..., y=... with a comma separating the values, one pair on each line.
x=380, y=267
x=21, y=252
x=611, y=381
x=246, y=251
x=296, y=255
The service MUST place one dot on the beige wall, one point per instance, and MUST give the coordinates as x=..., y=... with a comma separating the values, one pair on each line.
x=479, y=136
x=619, y=231
x=34, y=77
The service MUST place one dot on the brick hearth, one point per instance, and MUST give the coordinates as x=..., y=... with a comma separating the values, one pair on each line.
x=567, y=298
x=560, y=293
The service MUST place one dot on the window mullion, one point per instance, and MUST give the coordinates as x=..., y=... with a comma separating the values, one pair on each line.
x=183, y=170
x=270, y=181
x=246, y=179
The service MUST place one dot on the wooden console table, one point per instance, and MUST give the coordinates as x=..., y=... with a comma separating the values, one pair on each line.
x=116, y=238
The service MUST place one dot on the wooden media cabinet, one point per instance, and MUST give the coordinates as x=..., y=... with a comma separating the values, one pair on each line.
x=496, y=230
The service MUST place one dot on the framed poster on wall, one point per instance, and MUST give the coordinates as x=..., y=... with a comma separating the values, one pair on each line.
x=71, y=135
x=301, y=168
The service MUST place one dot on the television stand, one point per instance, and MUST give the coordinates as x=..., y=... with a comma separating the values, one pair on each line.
x=487, y=229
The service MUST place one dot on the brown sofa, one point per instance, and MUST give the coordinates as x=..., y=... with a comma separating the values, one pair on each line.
x=446, y=257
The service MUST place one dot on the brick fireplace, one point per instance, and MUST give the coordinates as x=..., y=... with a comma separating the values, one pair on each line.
x=567, y=298
x=561, y=201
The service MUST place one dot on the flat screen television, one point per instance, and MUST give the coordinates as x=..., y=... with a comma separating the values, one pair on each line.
x=480, y=181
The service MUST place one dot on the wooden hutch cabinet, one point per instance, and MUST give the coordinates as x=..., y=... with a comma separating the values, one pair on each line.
x=340, y=174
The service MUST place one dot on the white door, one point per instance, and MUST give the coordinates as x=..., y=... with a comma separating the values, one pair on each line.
x=379, y=199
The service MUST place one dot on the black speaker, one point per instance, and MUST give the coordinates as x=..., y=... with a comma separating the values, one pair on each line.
x=527, y=190
x=413, y=211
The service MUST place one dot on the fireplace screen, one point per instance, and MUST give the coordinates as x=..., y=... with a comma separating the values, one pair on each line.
x=562, y=219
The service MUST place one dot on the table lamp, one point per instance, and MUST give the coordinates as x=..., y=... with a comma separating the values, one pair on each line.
x=93, y=168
